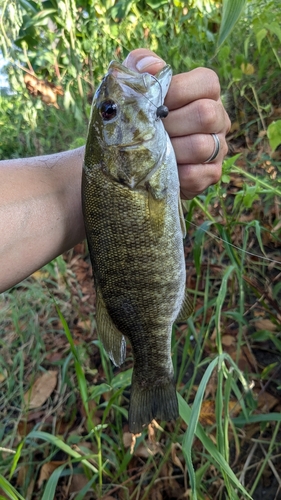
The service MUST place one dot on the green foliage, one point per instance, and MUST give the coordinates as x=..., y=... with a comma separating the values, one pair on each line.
x=274, y=134
x=25, y=133
x=231, y=13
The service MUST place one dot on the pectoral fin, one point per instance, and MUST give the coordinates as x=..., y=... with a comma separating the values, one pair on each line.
x=112, y=339
x=186, y=309
x=156, y=209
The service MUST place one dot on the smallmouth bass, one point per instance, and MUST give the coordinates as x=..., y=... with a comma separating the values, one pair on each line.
x=135, y=229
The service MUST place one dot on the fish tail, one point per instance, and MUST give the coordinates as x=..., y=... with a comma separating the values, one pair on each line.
x=148, y=403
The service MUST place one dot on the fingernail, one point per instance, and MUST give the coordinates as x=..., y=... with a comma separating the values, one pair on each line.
x=146, y=62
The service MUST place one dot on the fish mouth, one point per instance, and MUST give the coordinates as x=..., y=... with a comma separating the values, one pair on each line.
x=139, y=82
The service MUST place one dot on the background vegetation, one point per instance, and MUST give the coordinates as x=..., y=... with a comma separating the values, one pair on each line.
x=63, y=429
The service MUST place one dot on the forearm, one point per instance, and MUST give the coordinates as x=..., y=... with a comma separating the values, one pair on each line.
x=40, y=212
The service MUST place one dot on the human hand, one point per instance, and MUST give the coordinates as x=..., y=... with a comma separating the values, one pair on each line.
x=195, y=112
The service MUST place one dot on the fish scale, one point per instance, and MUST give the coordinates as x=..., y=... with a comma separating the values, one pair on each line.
x=134, y=227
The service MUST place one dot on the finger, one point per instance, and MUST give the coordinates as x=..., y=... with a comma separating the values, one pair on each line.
x=194, y=178
x=202, y=116
x=197, y=148
x=200, y=83
x=144, y=60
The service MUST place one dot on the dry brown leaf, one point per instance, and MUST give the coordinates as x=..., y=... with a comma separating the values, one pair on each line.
x=265, y=324
x=142, y=451
x=207, y=413
x=47, y=91
x=127, y=439
x=246, y=362
x=208, y=408
x=47, y=469
x=78, y=481
x=175, y=459
x=266, y=401
x=24, y=428
x=228, y=340
x=41, y=389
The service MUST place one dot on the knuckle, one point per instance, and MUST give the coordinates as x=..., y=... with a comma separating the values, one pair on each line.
x=214, y=83
x=214, y=87
x=208, y=114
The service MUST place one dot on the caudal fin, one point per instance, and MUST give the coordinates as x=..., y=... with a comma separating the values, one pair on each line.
x=147, y=404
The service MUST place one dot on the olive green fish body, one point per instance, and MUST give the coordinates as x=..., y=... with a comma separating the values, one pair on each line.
x=130, y=192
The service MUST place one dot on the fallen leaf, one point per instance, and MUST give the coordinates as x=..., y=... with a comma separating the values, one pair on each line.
x=175, y=459
x=78, y=482
x=228, y=340
x=265, y=324
x=266, y=401
x=208, y=411
x=41, y=389
x=24, y=428
x=47, y=469
x=127, y=439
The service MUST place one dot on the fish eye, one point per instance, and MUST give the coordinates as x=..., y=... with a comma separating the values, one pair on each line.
x=108, y=110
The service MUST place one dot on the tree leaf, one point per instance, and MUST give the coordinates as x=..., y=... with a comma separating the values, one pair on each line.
x=231, y=11
x=274, y=134
x=260, y=35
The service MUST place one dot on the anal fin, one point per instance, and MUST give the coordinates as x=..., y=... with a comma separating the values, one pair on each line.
x=186, y=309
x=112, y=339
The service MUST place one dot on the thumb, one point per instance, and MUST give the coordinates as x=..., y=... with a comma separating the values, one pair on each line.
x=144, y=60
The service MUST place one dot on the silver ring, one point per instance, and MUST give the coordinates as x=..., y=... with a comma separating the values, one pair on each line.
x=216, y=148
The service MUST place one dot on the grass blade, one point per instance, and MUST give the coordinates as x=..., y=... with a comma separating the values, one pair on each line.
x=51, y=486
x=62, y=445
x=9, y=490
x=191, y=416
